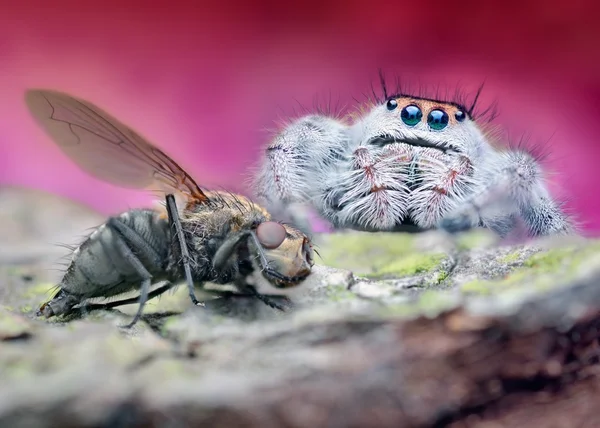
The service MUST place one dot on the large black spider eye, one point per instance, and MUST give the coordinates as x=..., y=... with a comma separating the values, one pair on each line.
x=411, y=115
x=460, y=116
x=437, y=119
x=392, y=105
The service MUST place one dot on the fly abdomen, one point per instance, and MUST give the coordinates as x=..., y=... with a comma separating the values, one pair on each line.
x=116, y=258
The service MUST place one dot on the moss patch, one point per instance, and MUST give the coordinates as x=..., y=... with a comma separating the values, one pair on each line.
x=43, y=291
x=12, y=325
x=26, y=309
x=429, y=303
x=337, y=293
x=510, y=258
x=171, y=327
x=477, y=238
x=441, y=277
x=543, y=270
x=412, y=264
x=552, y=259
x=377, y=255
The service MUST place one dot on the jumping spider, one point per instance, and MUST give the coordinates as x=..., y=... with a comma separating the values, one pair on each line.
x=405, y=163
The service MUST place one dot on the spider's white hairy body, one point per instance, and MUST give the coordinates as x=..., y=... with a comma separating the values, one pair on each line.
x=381, y=171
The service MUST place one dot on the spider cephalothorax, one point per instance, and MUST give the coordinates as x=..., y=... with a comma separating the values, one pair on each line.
x=405, y=161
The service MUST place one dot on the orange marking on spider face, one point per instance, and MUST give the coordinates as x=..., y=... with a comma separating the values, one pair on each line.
x=426, y=105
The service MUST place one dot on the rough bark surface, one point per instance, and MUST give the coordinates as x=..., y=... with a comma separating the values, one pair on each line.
x=391, y=330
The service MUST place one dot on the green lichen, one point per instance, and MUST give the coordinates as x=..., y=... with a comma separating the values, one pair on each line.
x=542, y=271
x=15, y=369
x=170, y=327
x=377, y=255
x=510, y=258
x=12, y=270
x=429, y=303
x=412, y=264
x=552, y=259
x=26, y=309
x=41, y=291
x=4, y=308
x=338, y=293
x=441, y=276
x=474, y=239
x=12, y=324
x=175, y=300
x=166, y=368
x=122, y=350
x=517, y=279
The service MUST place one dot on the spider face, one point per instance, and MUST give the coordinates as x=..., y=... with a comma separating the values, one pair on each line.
x=420, y=122
x=406, y=161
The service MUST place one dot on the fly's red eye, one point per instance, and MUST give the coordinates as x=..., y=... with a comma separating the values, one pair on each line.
x=270, y=234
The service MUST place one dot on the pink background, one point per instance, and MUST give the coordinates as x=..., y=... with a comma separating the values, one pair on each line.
x=205, y=80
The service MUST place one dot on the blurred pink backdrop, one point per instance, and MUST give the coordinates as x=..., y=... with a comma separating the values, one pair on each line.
x=206, y=80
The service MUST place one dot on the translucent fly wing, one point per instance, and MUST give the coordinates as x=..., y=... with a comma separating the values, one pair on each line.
x=105, y=148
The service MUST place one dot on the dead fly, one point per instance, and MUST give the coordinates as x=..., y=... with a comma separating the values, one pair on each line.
x=217, y=237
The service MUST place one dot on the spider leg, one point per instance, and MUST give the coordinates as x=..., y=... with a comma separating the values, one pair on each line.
x=510, y=186
x=370, y=192
x=294, y=162
x=441, y=182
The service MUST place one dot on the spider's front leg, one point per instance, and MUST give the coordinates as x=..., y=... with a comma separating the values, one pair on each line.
x=509, y=186
x=440, y=182
x=369, y=190
x=294, y=166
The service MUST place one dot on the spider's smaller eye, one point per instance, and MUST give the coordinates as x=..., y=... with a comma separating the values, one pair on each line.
x=437, y=119
x=411, y=115
x=392, y=105
x=270, y=234
x=460, y=116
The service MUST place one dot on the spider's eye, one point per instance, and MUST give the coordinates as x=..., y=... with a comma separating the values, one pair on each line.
x=391, y=105
x=460, y=116
x=437, y=119
x=411, y=115
x=270, y=234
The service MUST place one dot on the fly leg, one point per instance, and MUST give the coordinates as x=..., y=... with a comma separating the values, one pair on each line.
x=130, y=239
x=273, y=303
x=267, y=300
x=224, y=253
x=175, y=222
x=111, y=305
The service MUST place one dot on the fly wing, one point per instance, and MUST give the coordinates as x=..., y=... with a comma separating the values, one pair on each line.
x=107, y=149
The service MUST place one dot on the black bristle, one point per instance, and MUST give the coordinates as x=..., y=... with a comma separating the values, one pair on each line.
x=460, y=99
